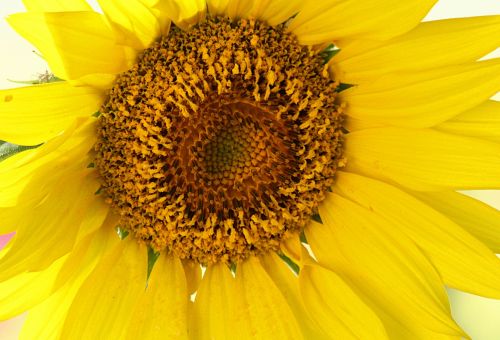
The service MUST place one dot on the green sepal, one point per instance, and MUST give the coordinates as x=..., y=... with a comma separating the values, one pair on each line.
x=328, y=53
x=152, y=257
x=303, y=238
x=317, y=218
x=293, y=266
x=342, y=86
x=232, y=268
x=9, y=149
x=122, y=233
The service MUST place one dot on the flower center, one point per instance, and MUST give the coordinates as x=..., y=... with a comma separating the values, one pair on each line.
x=221, y=141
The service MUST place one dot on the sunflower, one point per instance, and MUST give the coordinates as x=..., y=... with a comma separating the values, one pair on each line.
x=255, y=169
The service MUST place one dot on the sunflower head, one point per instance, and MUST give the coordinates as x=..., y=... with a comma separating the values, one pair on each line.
x=306, y=154
x=220, y=141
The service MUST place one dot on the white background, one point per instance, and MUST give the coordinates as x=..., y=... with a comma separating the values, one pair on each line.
x=478, y=316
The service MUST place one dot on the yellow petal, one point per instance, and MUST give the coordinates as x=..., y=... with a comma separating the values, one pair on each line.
x=239, y=8
x=56, y=5
x=155, y=6
x=332, y=20
x=275, y=12
x=261, y=311
x=287, y=283
x=184, y=13
x=34, y=178
x=396, y=330
x=11, y=191
x=335, y=307
x=34, y=114
x=67, y=149
x=423, y=99
x=49, y=230
x=133, y=20
x=86, y=254
x=75, y=267
x=106, y=300
x=292, y=248
x=389, y=271
x=354, y=124
x=26, y=290
x=424, y=160
x=192, y=271
x=161, y=312
x=95, y=217
x=212, y=316
x=39, y=169
x=462, y=261
x=74, y=44
x=46, y=320
x=431, y=44
x=217, y=7
x=355, y=47
x=482, y=121
x=100, y=81
x=18, y=160
x=476, y=217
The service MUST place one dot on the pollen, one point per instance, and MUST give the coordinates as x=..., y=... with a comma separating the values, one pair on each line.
x=221, y=141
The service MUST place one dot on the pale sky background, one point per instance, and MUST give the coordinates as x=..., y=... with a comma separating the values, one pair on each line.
x=480, y=317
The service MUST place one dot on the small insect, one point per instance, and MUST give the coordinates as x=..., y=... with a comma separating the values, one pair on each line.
x=42, y=78
x=46, y=77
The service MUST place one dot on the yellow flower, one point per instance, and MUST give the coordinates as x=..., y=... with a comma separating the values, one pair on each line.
x=208, y=133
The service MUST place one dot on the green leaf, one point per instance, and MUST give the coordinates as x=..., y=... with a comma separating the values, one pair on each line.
x=294, y=266
x=152, y=257
x=9, y=149
x=328, y=53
